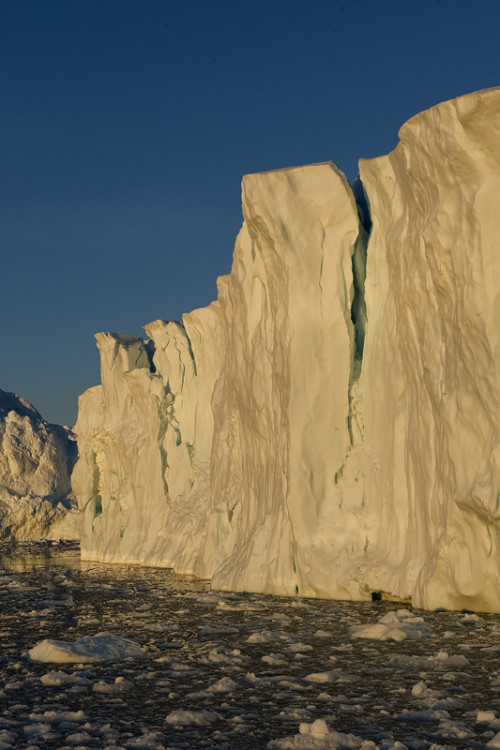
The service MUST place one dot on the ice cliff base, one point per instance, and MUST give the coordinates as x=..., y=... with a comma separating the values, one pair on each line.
x=330, y=425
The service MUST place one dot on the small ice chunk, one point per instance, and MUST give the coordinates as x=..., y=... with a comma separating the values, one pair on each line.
x=191, y=718
x=393, y=626
x=419, y=689
x=57, y=679
x=224, y=685
x=484, y=717
x=495, y=742
x=268, y=636
x=470, y=618
x=443, y=658
x=220, y=655
x=33, y=730
x=334, y=675
x=274, y=660
x=318, y=728
x=299, y=647
x=120, y=685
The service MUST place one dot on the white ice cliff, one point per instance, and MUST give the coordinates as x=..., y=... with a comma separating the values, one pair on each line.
x=36, y=459
x=330, y=425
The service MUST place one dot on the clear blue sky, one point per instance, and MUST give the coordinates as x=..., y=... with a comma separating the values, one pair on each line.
x=126, y=126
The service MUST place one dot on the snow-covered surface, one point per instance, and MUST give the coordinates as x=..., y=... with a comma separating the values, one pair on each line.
x=330, y=425
x=36, y=460
x=206, y=678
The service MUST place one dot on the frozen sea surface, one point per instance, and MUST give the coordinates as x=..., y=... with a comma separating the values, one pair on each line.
x=222, y=670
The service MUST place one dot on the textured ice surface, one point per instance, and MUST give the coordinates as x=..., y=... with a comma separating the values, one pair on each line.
x=329, y=426
x=36, y=459
x=431, y=364
x=221, y=688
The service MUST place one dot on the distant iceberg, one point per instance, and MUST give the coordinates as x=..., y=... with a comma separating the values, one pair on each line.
x=36, y=460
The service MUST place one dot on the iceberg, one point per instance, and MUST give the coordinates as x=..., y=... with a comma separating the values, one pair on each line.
x=36, y=460
x=328, y=427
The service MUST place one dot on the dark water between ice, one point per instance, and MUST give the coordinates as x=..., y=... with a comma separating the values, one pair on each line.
x=231, y=670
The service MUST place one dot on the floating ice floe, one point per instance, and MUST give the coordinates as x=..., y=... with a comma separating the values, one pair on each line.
x=191, y=718
x=318, y=735
x=334, y=675
x=267, y=636
x=120, y=685
x=57, y=679
x=393, y=626
x=90, y=648
x=440, y=661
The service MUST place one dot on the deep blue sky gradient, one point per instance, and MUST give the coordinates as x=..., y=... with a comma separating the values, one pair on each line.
x=126, y=126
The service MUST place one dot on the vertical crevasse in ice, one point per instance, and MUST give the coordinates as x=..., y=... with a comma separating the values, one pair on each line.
x=328, y=426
